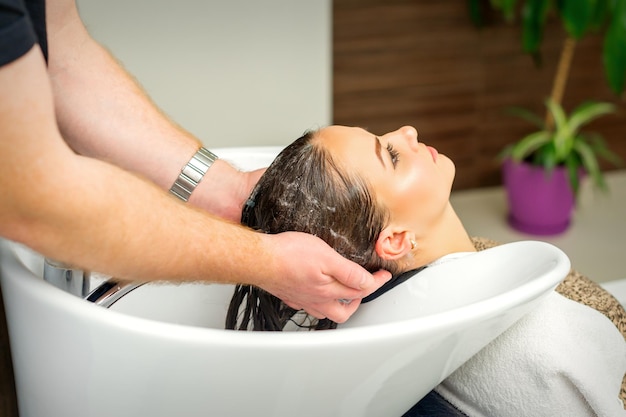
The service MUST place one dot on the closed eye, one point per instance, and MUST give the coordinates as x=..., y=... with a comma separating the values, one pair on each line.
x=393, y=154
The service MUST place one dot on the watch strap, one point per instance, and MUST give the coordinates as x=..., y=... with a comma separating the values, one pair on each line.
x=192, y=173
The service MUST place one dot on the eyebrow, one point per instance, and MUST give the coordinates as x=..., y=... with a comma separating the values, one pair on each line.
x=377, y=149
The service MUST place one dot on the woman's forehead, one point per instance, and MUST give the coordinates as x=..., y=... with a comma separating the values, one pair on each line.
x=352, y=147
x=343, y=131
x=343, y=138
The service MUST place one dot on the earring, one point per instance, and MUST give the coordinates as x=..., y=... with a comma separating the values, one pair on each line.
x=413, y=244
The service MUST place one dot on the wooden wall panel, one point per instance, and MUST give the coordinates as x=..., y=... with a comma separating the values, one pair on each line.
x=423, y=63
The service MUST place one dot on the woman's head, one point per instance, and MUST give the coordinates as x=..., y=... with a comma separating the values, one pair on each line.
x=410, y=180
x=369, y=197
x=307, y=190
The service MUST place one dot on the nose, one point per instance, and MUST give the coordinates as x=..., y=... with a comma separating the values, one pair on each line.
x=409, y=133
x=405, y=135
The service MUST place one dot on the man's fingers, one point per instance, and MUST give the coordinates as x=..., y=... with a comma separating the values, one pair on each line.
x=341, y=311
x=359, y=279
x=293, y=305
x=348, y=300
x=337, y=310
x=379, y=279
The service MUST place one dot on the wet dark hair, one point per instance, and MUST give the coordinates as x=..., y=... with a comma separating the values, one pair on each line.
x=305, y=190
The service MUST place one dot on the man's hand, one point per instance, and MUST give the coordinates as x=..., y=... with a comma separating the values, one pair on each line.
x=313, y=277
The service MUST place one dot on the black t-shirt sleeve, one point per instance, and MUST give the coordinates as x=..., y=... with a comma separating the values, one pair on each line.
x=17, y=32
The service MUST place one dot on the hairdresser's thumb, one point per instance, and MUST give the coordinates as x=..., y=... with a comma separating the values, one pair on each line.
x=372, y=282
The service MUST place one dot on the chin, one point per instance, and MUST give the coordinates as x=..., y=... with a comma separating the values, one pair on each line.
x=448, y=165
x=450, y=175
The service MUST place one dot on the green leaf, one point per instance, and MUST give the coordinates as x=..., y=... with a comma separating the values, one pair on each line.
x=577, y=16
x=505, y=153
x=508, y=9
x=598, y=145
x=527, y=115
x=572, y=164
x=476, y=13
x=590, y=162
x=587, y=112
x=547, y=157
x=563, y=136
x=602, y=14
x=614, y=51
x=529, y=144
x=560, y=118
x=534, y=14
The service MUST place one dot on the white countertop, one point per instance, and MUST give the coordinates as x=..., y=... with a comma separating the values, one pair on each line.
x=595, y=242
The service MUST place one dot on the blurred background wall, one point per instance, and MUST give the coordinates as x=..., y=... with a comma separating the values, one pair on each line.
x=247, y=72
x=234, y=73
x=423, y=63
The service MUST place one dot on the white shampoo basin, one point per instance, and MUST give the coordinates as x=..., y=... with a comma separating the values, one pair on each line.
x=161, y=351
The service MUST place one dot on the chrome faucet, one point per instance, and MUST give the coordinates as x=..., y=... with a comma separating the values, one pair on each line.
x=69, y=279
x=111, y=291
x=77, y=282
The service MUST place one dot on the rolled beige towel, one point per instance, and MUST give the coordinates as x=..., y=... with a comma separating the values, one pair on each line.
x=581, y=289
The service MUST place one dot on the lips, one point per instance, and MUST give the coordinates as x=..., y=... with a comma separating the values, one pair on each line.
x=433, y=152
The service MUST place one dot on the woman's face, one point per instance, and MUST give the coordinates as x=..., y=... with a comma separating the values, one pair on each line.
x=412, y=180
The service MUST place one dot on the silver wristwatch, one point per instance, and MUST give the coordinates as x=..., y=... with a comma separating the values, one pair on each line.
x=192, y=173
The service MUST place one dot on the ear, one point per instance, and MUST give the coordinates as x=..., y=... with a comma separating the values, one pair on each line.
x=392, y=244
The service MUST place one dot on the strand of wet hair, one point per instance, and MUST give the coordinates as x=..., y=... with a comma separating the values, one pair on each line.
x=266, y=312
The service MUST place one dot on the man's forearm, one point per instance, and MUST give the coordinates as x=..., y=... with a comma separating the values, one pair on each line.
x=102, y=216
x=103, y=113
x=115, y=222
x=91, y=213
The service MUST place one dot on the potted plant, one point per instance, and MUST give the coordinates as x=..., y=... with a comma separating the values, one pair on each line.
x=541, y=172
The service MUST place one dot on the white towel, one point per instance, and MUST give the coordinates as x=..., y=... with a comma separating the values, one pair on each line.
x=562, y=359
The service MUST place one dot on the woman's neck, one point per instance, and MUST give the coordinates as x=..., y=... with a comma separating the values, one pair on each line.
x=445, y=237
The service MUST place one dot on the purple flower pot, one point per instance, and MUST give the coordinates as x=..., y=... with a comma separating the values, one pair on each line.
x=540, y=203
